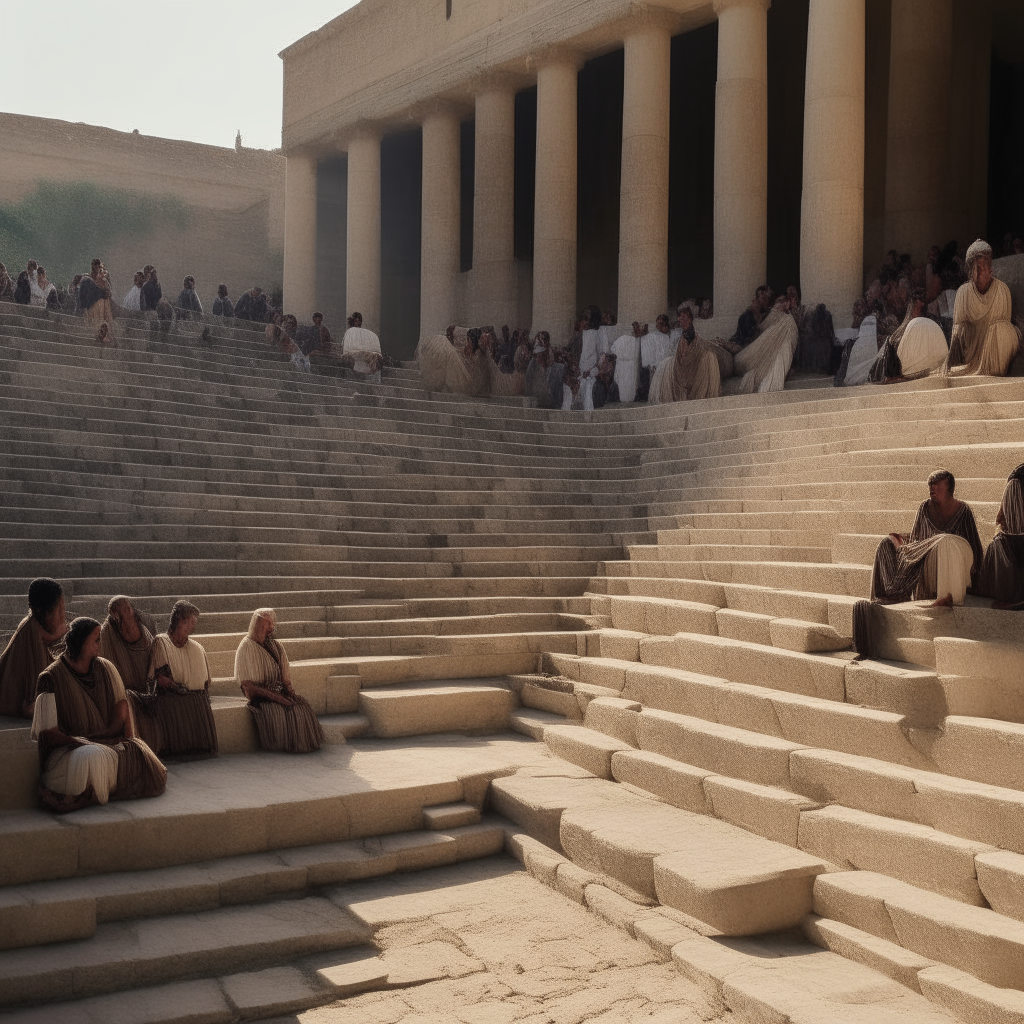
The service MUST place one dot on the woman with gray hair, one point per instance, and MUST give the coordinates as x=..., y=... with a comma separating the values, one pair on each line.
x=284, y=720
x=984, y=339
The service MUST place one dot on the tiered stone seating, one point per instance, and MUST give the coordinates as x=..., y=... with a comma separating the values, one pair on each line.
x=625, y=635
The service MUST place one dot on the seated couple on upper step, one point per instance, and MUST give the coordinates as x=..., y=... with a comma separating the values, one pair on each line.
x=942, y=558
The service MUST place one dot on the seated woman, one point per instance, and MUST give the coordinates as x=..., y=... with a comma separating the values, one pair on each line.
x=284, y=720
x=937, y=561
x=1002, y=571
x=765, y=362
x=914, y=349
x=362, y=346
x=985, y=339
x=691, y=373
x=442, y=364
x=88, y=750
x=180, y=705
x=27, y=654
x=127, y=644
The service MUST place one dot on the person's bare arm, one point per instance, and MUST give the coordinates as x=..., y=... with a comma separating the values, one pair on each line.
x=254, y=691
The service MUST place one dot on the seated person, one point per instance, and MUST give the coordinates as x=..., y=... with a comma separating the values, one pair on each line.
x=362, y=346
x=222, y=305
x=284, y=720
x=914, y=349
x=765, y=362
x=88, y=750
x=691, y=373
x=749, y=324
x=188, y=304
x=26, y=653
x=127, y=643
x=605, y=388
x=984, y=339
x=937, y=561
x=545, y=376
x=317, y=339
x=181, y=695
x=1002, y=571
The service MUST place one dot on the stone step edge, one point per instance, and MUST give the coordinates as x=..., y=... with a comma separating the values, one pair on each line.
x=56, y=911
x=694, y=949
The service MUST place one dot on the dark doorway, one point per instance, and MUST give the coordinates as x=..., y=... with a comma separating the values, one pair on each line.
x=467, y=172
x=1006, y=135
x=526, y=171
x=331, y=240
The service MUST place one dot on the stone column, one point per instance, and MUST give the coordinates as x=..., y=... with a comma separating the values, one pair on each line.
x=643, y=204
x=918, y=160
x=832, y=211
x=741, y=154
x=554, y=232
x=362, y=288
x=300, y=235
x=494, y=277
x=439, y=245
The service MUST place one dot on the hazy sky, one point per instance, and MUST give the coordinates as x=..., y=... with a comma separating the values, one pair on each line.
x=184, y=70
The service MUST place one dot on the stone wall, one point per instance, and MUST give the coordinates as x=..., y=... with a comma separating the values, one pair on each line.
x=69, y=192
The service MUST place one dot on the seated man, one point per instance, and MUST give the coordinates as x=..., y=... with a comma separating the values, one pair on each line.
x=605, y=388
x=284, y=720
x=691, y=373
x=26, y=653
x=765, y=362
x=937, y=561
x=914, y=349
x=88, y=750
x=985, y=339
x=749, y=324
x=1002, y=571
x=316, y=339
x=180, y=705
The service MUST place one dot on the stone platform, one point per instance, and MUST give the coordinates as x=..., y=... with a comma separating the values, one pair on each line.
x=615, y=645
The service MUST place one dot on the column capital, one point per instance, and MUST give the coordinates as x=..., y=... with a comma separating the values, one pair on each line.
x=721, y=5
x=499, y=81
x=557, y=55
x=440, y=106
x=643, y=17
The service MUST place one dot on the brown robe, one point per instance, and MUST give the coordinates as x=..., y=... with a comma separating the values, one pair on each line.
x=1002, y=572
x=897, y=571
x=132, y=664
x=86, y=706
x=24, y=657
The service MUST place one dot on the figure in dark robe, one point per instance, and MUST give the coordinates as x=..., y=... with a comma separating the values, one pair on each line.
x=1002, y=571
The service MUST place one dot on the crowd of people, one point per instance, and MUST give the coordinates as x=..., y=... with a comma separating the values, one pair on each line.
x=942, y=559
x=108, y=700
x=91, y=296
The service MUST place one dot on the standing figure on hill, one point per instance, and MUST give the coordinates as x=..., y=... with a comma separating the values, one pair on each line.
x=27, y=652
x=44, y=293
x=252, y=305
x=23, y=289
x=317, y=340
x=284, y=720
x=222, y=305
x=6, y=285
x=189, y=306
x=1002, y=571
x=94, y=298
x=88, y=750
x=765, y=362
x=985, y=339
x=133, y=297
x=179, y=675
x=914, y=349
x=937, y=561
x=152, y=293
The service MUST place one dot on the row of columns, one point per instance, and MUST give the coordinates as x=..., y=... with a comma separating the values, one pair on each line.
x=833, y=196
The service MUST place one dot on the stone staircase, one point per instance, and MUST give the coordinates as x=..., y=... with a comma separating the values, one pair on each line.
x=623, y=637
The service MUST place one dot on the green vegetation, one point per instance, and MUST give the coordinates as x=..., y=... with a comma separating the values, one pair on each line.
x=64, y=225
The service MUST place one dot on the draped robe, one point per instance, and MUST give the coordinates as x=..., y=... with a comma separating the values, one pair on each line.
x=82, y=706
x=293, y=729
x=361, y=344
x=24, y=657
x=1002, y=572
x=442, y=367
x=931, y=562
x=691, y=374
x=765, y=362
x=984, y=338
x=183, y=714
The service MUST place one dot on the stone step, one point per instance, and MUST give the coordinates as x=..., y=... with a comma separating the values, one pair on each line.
x=730, y=552
x=418, y=709
x=162, y=949
x=210, y=809
x=44, y=913
x=976, y=940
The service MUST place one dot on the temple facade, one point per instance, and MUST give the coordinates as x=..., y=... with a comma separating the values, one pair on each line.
x=508, y=161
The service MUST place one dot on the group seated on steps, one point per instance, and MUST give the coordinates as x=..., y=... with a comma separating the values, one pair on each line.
x=703, y=686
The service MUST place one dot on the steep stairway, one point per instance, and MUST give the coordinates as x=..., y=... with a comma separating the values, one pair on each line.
x=624, y=636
